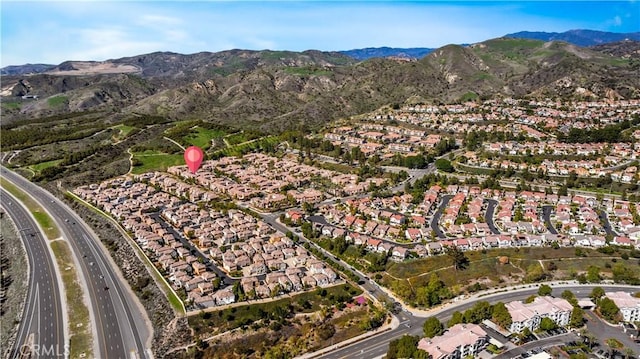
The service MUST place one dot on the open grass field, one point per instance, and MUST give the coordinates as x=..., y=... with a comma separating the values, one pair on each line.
x=235, y=138
x=124, y=130
x=202, y=137
x=42, y=165
x=238, y=150
x=582, y=263
x=57, y=101
x=425, y=265
x=155, y=161
x=11, y=105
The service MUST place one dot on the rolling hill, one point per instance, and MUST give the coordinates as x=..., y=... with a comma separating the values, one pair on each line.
x=274, y=90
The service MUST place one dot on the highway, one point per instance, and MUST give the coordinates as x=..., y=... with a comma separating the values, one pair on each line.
x=376, y=346
x=41, y=329
x=119, y=323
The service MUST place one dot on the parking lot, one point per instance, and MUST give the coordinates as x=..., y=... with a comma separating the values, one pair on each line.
x=550, y=333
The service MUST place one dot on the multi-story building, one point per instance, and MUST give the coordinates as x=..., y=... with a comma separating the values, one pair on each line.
x=629, y=305
x=529, y=315
x=459, y=341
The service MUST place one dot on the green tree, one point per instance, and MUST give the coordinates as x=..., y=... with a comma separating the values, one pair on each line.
x=443, y=164
x=501, y=315
x=593, y=274
x=608, y=309
x=432, y=327
x=480, y=311
x=405, y=347
x=544, y=290
x=547, y=324
x=577, y=317
x=569, y=297
x=629, y=353
x=458, y=259
x=596, y=294
x=456, y=318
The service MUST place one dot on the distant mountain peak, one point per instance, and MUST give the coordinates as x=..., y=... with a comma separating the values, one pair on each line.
x=388, y=52
x=578, y=37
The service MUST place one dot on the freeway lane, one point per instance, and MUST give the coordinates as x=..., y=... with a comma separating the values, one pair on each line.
x=119, y=323
x=43, y=315
x=376, y=346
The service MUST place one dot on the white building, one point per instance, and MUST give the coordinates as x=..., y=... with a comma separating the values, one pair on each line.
x=459, y=341
x=529, y=315
x=628, y=304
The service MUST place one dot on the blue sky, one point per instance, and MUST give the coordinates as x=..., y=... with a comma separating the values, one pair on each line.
x=54, y=31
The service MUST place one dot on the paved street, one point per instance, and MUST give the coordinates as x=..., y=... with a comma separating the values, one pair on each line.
x=488, y=217
x=41, y=329
x=435, y=221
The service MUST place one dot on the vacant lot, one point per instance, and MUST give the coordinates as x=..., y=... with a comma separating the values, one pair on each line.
x=235, y=317
x=155, y=161
x=485, y=270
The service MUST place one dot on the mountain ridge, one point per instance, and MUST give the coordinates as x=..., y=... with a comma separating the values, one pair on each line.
x=581, y=37
x=578, y=37
x=275, y=90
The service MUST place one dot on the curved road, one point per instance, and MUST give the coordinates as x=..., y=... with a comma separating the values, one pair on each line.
x=376, y=346
x=547, y=210
x=435, y=221
x=488, y=216
x=43, y=315
x=119, y=323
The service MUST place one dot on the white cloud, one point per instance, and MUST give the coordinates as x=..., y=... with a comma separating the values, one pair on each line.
x=153, y=20
x=109, y=43
x=617, y=20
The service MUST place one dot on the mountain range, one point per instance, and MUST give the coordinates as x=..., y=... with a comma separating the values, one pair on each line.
x=275, y=90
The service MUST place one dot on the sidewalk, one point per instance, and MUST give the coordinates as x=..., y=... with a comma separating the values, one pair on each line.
x=389, y=326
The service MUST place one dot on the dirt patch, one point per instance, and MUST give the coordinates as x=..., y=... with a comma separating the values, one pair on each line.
x=79, y=68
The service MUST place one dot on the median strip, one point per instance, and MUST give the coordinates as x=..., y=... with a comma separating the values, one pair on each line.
x=80, y=340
